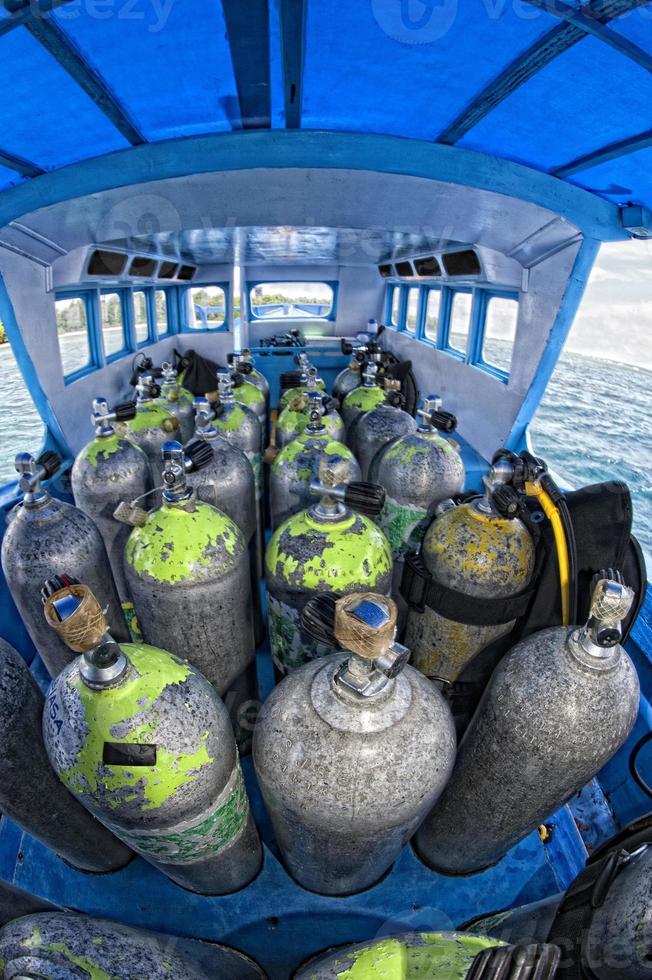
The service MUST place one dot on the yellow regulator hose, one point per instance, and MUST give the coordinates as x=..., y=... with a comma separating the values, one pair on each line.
x=552, y=513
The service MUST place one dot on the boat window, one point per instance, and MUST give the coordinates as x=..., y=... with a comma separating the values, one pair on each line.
x=141, y=321
x=72, y=334
x=395, y=306
x=460, y=321
x=22, y=426
x=412, y=312
x=291, y=300
x=499, y=332
x=433, y=306
x=205, y=307
x=161, y=311
x=113, y=326
x=404, y=269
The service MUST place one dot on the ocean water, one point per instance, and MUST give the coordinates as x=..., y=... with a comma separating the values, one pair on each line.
x=595, y=423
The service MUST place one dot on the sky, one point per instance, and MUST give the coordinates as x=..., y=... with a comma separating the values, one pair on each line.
x=615, y=316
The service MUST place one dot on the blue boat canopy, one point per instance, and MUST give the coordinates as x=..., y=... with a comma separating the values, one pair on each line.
x=561, y=87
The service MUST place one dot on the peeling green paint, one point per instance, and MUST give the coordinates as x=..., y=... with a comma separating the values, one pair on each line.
x=405, y=449
x=358, y=553
x=444, y=956
x=35, y=942
x=180, y=542
x=321, y=442
x=132, y=705
x=404, y=526
x=364, y=399
x=294, y=423
x=231, y=419
x=153, y=415
x=251, y=396
x=102, y=447
x=257, y=466
x=291, y=393
x=205, y=837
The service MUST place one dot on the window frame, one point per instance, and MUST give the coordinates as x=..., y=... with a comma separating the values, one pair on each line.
x=182, y=308
x=128, y=337
x=95, y=351
x=253, y=283
x=483, y=305
x=441, y=320
x=464, y=356
x=391, y=289
x=148, y=294
x=404, y=310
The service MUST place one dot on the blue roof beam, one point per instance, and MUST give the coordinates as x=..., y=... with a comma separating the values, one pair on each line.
x=553, y=44
x=611, y=152
x=590, y=24
x=293, y=32
x=23, y=167
x=62, y=49
x=22, y=10
x=247, y=28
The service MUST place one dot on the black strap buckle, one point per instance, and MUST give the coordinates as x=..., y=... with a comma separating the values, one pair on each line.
x=414, y=582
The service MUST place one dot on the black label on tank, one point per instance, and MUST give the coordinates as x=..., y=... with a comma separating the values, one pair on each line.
x=128, y=754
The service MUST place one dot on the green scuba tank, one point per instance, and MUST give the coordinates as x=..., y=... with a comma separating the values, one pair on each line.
x=145, y=743
x=294, y=418
x=251, y=397
x=332, y=547
x=308, y=381
x=153, y=424
x=365, y=398
x=297, y=465
x=179, y=401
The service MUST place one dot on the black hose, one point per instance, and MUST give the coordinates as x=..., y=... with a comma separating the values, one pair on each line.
x=571, y=544
x=638, y=779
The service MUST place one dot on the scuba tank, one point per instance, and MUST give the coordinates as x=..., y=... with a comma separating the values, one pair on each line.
x=187, y=569
x=244, y=364
x=365, y=398
x=351, y=376
x=153, y=424
x=306, y=380
x=249, y=394
x=435, y=956
x=477, y=553
x=178, y=401
x=227, y=482
x=369, y=746
x=30, y=793
x=297, y=465
x=43, y=536
x=418, y=471
x=109, y=469
x=331, y=547
x=602, y=922
x=241, y=427
x=557, y=708
x=294, y=418
x=144, y=742
x=68, y=945
x=370, y=432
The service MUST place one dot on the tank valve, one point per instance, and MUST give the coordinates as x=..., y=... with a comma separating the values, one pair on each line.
x=364, y=624
x=33, y=471
x=204, y=416
x=175, y=487
x=336, y=495
x=103, y=417
x=434, y=417
x=147, y=389
x=369, y=375
x=611, y=600
x=74, y=613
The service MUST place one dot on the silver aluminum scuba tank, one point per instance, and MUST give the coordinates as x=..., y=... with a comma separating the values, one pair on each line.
x=365, y=398
x=418, y=470
x=245, y=364
x=241, y=427
x=109, y=469
x=227, y=482
x=44, y=536
x=294, y=418
x=557, y=708
x=351, y=376
x=308, y=381
x=483, y=550
x=187, y=569
x=144, y=742
x=30, y=793
x=373, y=430
x=331, y=547
x=297, y=465
x=368, y=745
x=179, y=401
x=153, y=424
x=68, y=945
x=435, y=956
x=250, y=395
